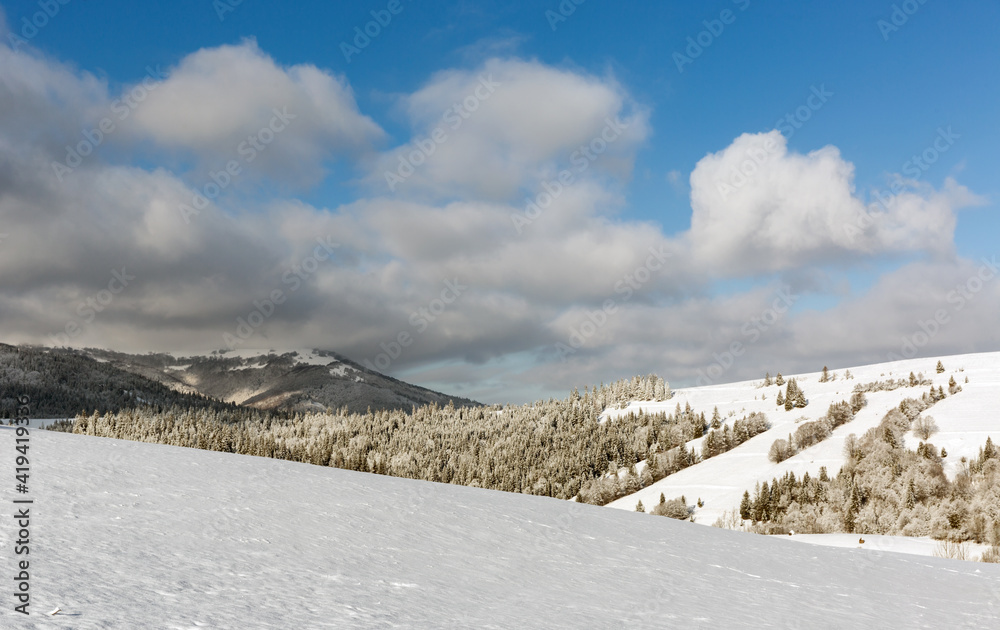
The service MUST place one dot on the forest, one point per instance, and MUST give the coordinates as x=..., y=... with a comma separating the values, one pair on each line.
x=885, y=488
x=552, y=448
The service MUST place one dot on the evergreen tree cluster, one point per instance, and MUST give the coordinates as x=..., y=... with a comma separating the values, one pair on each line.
x=667, y=452
x=548, y=448
x=886, y=489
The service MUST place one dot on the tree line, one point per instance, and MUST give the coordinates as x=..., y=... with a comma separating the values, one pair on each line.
x=551, y=448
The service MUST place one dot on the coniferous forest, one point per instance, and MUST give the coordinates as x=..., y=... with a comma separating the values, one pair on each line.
x=558, y=448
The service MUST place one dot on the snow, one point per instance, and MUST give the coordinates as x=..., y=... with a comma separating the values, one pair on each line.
x=965, y=419
x=306, y=356
x=133, y=535
x=919, y=546
x=342, y=369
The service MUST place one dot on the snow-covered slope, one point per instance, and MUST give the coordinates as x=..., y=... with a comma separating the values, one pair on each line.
x=965, y=421
x=132, y=535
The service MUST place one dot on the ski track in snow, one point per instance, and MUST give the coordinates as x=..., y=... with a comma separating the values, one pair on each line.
x=132, y=535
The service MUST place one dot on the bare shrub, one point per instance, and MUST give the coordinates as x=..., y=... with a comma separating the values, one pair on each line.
x=952, y=550
x=991, y=555
x=781, y=450
x=924, y=427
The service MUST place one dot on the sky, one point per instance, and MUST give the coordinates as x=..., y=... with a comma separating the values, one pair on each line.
x=504, y=201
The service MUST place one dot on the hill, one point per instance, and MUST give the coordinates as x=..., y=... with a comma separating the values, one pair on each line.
x=133, y=535
x=62, y=383
x=965, y=420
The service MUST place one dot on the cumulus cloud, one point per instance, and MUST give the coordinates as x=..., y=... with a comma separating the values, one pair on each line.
x=506, y=124
x=530, y=283
x=45, y=103
x=217, y=98
x=758, y=207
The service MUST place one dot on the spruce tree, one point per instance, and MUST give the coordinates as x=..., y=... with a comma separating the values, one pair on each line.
x=940, y=367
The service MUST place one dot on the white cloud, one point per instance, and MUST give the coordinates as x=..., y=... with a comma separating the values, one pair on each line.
x=527, y=289
x=759, y=208
x=215, y=98
x=507, y=124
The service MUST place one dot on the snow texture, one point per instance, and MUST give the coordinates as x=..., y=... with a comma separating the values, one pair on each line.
x=132, y=535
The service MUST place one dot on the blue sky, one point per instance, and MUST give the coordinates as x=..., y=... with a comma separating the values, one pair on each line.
x=890, y=91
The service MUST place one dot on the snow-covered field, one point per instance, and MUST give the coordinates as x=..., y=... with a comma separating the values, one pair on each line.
x=965, y=421
x=132, y=535
x=919, y=546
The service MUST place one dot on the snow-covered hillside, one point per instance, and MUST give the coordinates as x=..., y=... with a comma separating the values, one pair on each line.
x=965, y=420
x=132, y=535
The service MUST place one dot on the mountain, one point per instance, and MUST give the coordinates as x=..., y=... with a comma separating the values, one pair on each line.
x=62, y=383
x=290, y=380
x=138, y=535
